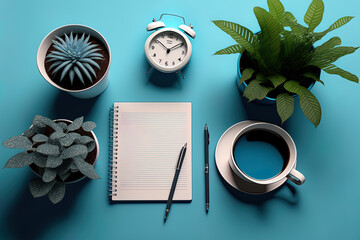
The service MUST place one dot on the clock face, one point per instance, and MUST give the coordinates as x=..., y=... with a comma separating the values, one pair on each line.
x=168, y=50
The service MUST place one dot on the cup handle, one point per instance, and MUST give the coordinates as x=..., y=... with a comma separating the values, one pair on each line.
x=296, y=177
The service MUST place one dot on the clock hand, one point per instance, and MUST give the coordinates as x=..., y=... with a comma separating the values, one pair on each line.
x=176, y=46
x=162, y=45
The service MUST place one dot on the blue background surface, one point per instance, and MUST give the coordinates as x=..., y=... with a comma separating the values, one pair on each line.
x=325, y=207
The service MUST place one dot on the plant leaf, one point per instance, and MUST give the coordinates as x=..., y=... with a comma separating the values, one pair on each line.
x=57, y=192
x=331, y=43
x=40, y=121
x=284, y=106
x=270, y=36
x=256, y=91
x=84, y=140
x=40, y=160
x=324, y=58
x=53, y=161
x=308, y=102
x=64, y=176
x=276, y=9
x=74, y=151
x=64, y=167
x=332, y=69
x=38, y=188
x=86, y=168
x=63, y=125
x=20, y=142
x=246, y=75
x=40, y=138
x=78, y=74
x=230, y=50
x=76, y=124
x=48, y=149
x=20, y=160
x=88, y=126
x=30, y=132
x=69, y=139
x=277, y=79
x=314, y=14
x=57, y=135
x=243, y=36
x=313, y=77
x=91, y=146
x=49, y=175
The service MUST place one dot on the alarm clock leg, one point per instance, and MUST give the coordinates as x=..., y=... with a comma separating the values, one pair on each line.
x=148, y=70
x=181, y=74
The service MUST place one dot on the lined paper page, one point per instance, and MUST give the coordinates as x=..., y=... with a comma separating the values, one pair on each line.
x=149, y=139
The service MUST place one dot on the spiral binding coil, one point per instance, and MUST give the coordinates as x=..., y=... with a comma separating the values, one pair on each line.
x=113, y=134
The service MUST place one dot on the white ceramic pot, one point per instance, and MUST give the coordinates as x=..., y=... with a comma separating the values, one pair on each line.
x=93, y=90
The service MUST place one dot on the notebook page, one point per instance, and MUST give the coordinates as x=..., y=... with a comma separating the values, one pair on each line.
x=149, y=139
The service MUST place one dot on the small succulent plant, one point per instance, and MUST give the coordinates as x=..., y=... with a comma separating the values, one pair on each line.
x=74, y=56
x=58, y=150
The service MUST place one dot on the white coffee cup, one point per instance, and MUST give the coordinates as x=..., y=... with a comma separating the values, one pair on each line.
x=289, y=170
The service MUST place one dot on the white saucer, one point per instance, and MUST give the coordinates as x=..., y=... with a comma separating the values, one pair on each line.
x=222, y=156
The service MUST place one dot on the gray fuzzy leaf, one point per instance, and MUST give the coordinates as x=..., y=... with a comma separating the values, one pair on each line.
x=20, y=142
x=20, y=160
x=40, y=160
x=39, y=130
x=84, y=140
x=40, y=121
x=88, y=126
x=53, y=161
x=48, y=149
x=49, y=175
x=69, y=139
x=64, y=167
x=40, y=138
x=57, y=135
x=63, y=125
x=73, y=165
x=76, y=124
x=29, y=132
x=57, y=192
x=74, y=151
x=86, y=168
x=64, y=176
x=38, y=188
x=91, y=146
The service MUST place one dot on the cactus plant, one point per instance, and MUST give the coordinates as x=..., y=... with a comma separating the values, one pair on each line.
x=74, y=55
x=57, y=150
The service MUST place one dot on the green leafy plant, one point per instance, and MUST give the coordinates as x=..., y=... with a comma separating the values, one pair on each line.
x=74, y=56
x=57, y=150
x=281, y=58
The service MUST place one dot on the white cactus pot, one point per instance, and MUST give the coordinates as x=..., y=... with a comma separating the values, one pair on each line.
x=93, y=90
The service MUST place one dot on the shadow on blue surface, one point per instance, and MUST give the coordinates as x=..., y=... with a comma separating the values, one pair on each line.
x=261, y=112
x=259, y=200
x=69, y=107
x=164, y=80
x=28, y=218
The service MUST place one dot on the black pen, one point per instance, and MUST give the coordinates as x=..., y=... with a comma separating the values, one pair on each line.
x=176, y=176
x=206, y=135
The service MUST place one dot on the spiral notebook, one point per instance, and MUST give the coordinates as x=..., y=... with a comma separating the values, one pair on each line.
x=145, y=142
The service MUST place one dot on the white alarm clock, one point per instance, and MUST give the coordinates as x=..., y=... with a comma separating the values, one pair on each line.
x=168, y=49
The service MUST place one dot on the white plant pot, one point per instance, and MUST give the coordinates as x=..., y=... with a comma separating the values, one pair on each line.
x=93, y=90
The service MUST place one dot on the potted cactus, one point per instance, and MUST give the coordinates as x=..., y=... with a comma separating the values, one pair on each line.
x=59, y=152
x=75, y=59
x=281, y=61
